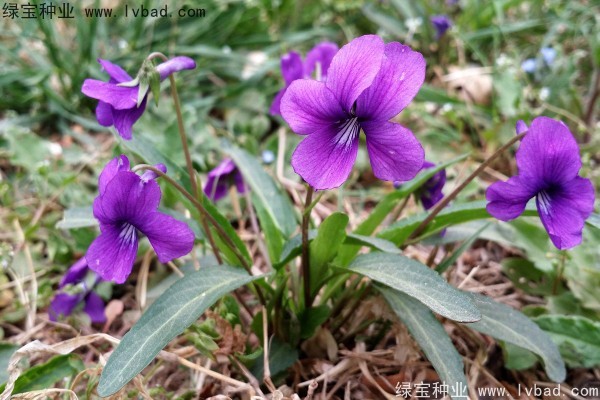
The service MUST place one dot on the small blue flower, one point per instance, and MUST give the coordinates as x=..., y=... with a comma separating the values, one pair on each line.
x=529, y=65
x=267, y=156
x=548, y=54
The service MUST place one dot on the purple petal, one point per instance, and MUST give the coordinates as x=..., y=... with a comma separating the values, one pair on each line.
x=219, y=179
x=431, y=192
x=75, y=274
x=169, y=237
x=276, y=104
x=173, y=65
x=521, y=127
x=225, y=167
x=324, y=159
x=548, y=153
x=124, y=119
x=308, y=106
x=354, y=68
x=401, y=76
x=94, y=307
x=563, y=211
x=114, y=71
x=63, y=305
x=216, y=188
x=507, y=200
x=104, y=114
x=323, y=54
x=395, y=153
x=120, y=163
x=148, y=174
x=127, y=198
x=291, y=67
x=113, y=253
x=239, y=182
x=120, y=97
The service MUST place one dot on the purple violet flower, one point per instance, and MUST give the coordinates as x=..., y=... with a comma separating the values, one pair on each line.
x=292, y=68
x=221, y=178
x=368, y=84
x=548, y=162
x=431, y=191
x=441, y=23
x=67, y=300
x=118, y=105
x=127, y=206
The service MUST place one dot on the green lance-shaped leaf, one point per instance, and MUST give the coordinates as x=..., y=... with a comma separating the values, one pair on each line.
x=77, y=217
x=594, y=220
x=578, y=338
x=274, y=201
x=431, y=336
x=166, y=318
x=419, y=281
x=387, y=204
x=451, y=215
x=45, y=375
x=505, y=323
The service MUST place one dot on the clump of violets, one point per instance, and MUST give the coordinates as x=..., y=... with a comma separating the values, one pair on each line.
x=126, y=206
x=441, y=23
x=368, y=83
x=77, y=287
x=293, y=68
x=122, y=98
x=548, y=161
x=221, y=178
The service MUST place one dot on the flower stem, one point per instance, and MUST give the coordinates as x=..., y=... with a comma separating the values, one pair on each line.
x=444, y=202
x=194, y=180
x=559, y=271
x=208, y=217
x=305, y=251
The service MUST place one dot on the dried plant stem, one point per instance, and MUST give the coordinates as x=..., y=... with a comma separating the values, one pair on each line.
x=188, y=158
x=444, y=202
x=267, y=368
x=32, y=302
x=259, y=239
x=399, y=209
x=305, y=251
x=592, y=98
x=559, y=272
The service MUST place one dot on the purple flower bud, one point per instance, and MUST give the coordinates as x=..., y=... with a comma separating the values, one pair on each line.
x=441, y=23
x=521, y=127
x=431, y=191
x=221, y=178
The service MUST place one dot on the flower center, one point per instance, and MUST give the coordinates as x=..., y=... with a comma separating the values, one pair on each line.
x=347, y=132
x=543, y=201
x=128, y=234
